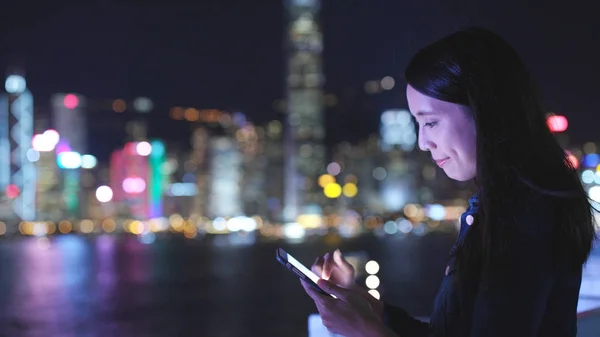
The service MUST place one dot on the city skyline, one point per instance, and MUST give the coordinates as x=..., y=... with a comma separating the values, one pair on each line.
x=160, y=52
x=153, y=155
x=218, y=150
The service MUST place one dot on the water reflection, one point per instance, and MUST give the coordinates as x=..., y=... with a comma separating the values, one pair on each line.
x=121, y=286
x=32, y=301
x=106, y=276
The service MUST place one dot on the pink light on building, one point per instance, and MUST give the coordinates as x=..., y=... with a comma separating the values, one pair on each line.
x=70, y=101
x=117, y=175
x=129, y=174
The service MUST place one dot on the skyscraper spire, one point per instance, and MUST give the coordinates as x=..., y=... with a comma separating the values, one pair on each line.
x=304, y=127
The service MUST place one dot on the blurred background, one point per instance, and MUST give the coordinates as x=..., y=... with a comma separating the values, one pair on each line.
x=153, y=155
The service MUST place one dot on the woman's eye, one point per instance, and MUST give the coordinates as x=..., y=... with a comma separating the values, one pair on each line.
x=430, y=124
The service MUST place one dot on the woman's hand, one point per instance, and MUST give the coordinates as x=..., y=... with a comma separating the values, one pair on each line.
x=334, y=268
x=349, y=314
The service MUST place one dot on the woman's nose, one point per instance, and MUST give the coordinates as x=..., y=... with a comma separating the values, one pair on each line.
x=425, y=144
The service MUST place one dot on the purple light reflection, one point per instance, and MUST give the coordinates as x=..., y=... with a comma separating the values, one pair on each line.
x=136, y=261
x=40, y=287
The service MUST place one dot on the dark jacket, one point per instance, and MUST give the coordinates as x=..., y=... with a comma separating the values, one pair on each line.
x=534, y=298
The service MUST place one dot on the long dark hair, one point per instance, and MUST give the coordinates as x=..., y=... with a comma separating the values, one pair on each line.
x=519, y=161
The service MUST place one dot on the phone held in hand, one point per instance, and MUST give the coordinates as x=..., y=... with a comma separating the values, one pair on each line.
x=299, y=270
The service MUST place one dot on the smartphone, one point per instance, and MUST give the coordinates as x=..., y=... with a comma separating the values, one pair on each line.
x=300, y=270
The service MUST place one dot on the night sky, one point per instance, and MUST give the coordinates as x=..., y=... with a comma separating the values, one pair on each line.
x=228, y=53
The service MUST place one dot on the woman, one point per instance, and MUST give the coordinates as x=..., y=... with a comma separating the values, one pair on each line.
x=515, y=269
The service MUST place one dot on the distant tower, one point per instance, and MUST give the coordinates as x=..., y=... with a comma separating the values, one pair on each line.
x=17, y=172
x=156, y=179
x=225, y=199
x=398, y=140
x=304, y=128
x=69, y=119
x=200, y=147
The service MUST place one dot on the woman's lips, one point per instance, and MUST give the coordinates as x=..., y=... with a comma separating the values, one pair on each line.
x=441, y=162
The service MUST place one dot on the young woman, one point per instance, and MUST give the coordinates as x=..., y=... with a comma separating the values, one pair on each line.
x=516, y=267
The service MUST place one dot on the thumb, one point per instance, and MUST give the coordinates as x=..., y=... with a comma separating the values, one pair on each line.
x=341, y=261
x=333, y=289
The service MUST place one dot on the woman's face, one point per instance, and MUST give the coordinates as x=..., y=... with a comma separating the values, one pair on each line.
x=447, y=130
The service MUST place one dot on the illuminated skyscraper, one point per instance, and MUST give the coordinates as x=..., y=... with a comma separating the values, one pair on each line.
x=157, y=180
x=397, y=130
x=17, y=172
x=5, y=162
x=250, y=140
x=305, y=131
x=135, y=184
x=398, y=140
x=226, y=176
x=200, y=141
x=129, y=177
x=274, y=170
x=69, y=119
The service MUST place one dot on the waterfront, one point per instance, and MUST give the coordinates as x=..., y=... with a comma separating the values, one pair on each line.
x=106, y=285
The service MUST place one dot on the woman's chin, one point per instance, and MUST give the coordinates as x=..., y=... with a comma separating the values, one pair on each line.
x=458, y=175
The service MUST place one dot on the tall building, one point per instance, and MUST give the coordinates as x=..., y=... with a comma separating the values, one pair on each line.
x=274, y=170
x=69, y=119
x=304, y=129
x=156, y=179
x=129, y=176
x=49, y=195
x=225, y=199
x=200, y=169
x=397, y=130
x=251, y=141
x=17, y=172
x=68, y=116
x=400, y=172
x=182, y=184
